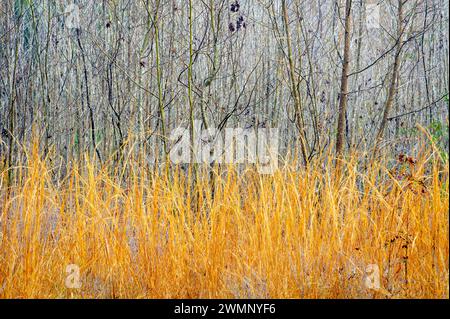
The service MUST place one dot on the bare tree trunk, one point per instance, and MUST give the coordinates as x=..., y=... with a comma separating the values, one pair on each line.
x=12, y=111
x=394, y=78
x=344, y=81
x=159, y=81
x=190, y=80
x=88, y=99
x=294, y=88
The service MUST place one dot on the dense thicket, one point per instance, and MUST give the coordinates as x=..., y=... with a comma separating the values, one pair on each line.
x=135, y=70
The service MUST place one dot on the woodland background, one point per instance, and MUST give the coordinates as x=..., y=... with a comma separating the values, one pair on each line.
x=135, y=70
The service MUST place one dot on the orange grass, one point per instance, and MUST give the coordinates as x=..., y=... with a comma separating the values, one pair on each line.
x=300, y=233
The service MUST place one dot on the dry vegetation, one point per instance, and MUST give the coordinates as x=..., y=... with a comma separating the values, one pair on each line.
x=295, y=234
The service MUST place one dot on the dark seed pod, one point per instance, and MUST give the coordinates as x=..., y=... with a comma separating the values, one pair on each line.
x=5, y=133
x=231, y=27
x=240, y=23
x=323, y=97
x=235, y=7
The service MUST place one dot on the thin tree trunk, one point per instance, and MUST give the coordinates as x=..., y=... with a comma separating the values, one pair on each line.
x=394, y=78
x=295, y=92
x=88, y=99
x=343, y=100
x=159, y=81
x=190, y=80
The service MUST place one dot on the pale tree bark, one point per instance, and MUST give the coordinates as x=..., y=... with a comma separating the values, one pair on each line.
x=394, y=77
x=294, y=87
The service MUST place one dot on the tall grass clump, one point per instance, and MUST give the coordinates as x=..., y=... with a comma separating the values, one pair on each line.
x=226, y=232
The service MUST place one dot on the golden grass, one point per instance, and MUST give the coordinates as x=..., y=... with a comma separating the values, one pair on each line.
x=300, y=233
